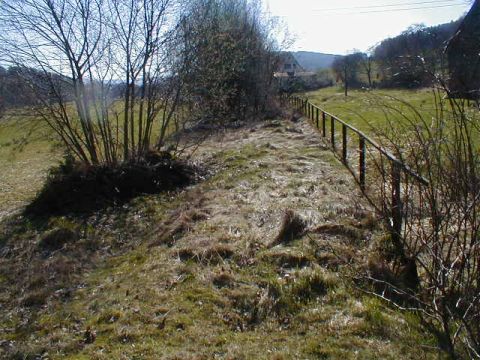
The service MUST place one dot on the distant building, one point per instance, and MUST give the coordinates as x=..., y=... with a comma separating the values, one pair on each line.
x=288, y=65
x=291, y=76
x=463, y=53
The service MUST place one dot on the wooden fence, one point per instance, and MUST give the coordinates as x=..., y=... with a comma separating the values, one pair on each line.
x=329, y=125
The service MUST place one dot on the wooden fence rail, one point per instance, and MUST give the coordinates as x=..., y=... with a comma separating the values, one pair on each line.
x=319, y=118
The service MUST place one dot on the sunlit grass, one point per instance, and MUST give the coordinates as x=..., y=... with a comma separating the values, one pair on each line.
x=398, y=119
x=27, y=151
x=368, y=110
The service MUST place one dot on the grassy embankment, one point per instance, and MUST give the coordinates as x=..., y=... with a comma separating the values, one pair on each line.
x=196, y=275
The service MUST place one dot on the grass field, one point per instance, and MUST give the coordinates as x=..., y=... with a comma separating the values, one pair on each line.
x=370, y=110
x=27, y=151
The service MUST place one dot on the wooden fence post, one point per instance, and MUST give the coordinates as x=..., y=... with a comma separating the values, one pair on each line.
x=362, y=165
x=317, y=116
x=324, y=125
x=332, y=131
x=344, y=144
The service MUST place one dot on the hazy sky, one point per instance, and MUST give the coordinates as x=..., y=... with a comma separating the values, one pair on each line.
x=342, y=25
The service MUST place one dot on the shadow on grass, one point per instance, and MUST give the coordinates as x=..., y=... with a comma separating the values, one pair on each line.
x=75, y=189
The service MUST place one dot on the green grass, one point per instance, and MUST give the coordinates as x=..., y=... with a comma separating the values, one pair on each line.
x=369, y=111
x=27, y=151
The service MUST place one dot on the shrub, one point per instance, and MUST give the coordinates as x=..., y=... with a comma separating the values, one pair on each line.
x=73, y=187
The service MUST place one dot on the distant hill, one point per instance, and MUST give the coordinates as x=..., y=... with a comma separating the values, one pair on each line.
x=313, y=61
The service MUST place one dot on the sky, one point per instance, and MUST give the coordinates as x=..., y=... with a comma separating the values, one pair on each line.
x=338, y=27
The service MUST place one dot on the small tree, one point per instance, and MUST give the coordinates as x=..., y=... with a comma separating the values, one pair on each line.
x=346, y=69
x=79, y=50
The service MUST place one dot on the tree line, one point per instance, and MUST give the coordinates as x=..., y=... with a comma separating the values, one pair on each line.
x=410, y=60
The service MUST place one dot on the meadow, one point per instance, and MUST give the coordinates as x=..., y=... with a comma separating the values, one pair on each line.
x=370, y=110
x=27, y=151
x=204, y=273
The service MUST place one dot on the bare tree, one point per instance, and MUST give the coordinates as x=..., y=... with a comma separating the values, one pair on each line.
x=366, y=64
x=346, y=69
x=64, y=41
x=141, y=36
x=80, y=50
x=116, y=77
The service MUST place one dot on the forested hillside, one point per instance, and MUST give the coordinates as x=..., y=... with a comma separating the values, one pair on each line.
x=412, y=58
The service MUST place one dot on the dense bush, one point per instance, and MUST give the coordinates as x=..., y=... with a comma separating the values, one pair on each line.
x=228, y=59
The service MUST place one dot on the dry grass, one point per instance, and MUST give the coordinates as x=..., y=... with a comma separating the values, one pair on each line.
x=219, y=290
x=211, y=255
x=287, y=258
x=180, y=220
x=291, y=228
x=346, y=231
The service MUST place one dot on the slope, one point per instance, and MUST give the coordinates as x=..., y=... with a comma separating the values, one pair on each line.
x=198, y=274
